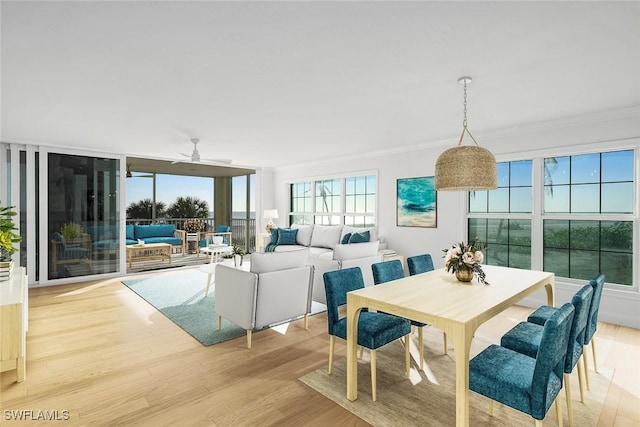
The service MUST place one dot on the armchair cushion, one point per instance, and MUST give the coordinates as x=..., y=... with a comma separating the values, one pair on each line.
x=60, y=238
x=263, y=262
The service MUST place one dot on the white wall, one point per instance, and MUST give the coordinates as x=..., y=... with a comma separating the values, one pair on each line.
x=602, y=131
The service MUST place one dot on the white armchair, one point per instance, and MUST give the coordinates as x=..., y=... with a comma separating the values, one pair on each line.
x=276, y=289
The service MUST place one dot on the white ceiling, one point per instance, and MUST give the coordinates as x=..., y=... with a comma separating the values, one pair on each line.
x=273, y=83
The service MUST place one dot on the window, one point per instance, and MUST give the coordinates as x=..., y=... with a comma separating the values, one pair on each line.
x=501, y=218
x=586, y=220
x=350, y=200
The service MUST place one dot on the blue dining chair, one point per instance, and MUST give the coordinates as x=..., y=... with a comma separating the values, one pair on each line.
x=529, y=385
x=387, y=271
x=542, y=314
x=525, y=338
x=421, y=264
x=374, y=329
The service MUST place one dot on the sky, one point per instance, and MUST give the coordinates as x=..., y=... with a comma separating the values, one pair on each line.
x=170, y=187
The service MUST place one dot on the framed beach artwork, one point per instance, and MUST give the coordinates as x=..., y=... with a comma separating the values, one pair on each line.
x=416, y=202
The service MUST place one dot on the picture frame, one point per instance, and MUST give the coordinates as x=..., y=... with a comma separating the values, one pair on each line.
x=416, y=202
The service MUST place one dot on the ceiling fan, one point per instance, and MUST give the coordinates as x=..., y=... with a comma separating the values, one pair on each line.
x=195, y=155
x=131, y=175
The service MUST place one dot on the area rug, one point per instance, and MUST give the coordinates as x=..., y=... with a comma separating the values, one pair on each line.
x=428, y=398
x=179, y=295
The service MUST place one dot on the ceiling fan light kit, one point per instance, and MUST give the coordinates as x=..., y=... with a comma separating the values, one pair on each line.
x=466, y=168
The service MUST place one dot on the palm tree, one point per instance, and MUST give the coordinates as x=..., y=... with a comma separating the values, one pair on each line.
x=143, y=209
x=188, y=207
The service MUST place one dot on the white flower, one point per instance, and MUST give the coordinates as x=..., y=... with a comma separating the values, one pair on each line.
x=468, y=258
x=478, y=256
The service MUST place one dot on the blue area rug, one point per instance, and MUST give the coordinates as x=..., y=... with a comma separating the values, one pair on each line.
x=179, y=295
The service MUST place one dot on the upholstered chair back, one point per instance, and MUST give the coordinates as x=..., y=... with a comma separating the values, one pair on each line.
x=336, y=285
x=420, y=264
x=387, y=271
x=592, y=322
x=548, y=372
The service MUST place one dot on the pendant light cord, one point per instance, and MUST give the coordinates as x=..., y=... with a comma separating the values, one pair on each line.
x=464, y=120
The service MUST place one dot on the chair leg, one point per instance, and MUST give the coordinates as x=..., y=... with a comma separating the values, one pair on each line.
x=593, y=351
x=558, y=414
x=332, y=344
x=206, y=292
x=445, y=342
x=407, y=354
x=421, y=349
x=491, y=407
x=374, y=391
x=249, y=338
x=585, y=358
x=580, y=364
x=219, y=322
x=567, y=390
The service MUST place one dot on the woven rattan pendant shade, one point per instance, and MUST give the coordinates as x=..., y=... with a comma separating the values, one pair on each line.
x=466, y=168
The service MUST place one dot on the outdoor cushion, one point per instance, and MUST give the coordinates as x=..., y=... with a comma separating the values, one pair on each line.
x=156, y=230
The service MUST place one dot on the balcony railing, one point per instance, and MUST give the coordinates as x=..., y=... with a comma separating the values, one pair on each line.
x=244, y=230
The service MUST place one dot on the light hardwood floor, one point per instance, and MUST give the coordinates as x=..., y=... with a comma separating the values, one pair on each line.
x=104, y=355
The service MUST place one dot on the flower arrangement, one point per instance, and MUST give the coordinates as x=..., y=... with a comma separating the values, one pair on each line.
x=467, y=258
x=194, y=225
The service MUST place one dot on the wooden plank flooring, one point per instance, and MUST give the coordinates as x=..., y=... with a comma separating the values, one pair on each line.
x=104, y=355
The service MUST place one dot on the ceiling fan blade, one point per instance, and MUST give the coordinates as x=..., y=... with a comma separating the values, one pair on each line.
x=224, y=161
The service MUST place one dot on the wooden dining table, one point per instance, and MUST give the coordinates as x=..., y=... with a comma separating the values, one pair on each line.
x=457, y=308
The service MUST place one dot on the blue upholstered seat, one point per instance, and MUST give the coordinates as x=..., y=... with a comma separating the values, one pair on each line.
x=419, y=264
x=525, y=338
x=374, y=329
x=527, y=384
x=543, y=313
x=392, y=270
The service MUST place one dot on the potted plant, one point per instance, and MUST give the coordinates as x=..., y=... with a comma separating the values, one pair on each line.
x=193, y=227
x=71, y=232
x=238, y=255
x=8, y=237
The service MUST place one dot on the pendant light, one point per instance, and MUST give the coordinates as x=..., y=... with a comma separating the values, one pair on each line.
x=466, y=168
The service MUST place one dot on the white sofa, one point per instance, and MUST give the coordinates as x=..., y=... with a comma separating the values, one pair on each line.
x=327, y=253
x=276, y=289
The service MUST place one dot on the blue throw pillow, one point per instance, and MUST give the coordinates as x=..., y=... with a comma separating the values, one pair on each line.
x=345, y=239
x=361, y=237
x=287, y=236
x=274, y=235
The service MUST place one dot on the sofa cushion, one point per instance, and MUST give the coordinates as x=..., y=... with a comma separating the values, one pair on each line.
x=344, y=252
x=373, y=231
x=359, y=237
x=326, y=236
x=264, y=262
x=304, y=234
x=170, y=240
x=289, y=248
x=128, y=229
x=155, y=230
x=287, y=236
x=320, y=253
